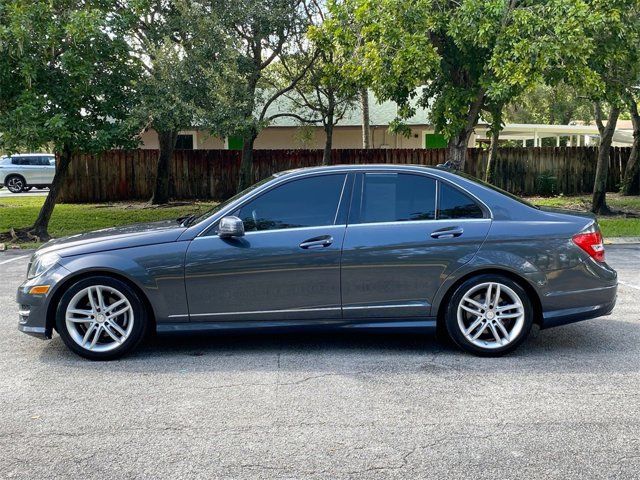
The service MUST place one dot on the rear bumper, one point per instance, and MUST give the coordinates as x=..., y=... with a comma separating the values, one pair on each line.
x=605, y=301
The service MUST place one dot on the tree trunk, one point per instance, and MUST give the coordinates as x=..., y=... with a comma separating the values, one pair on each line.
x=496, y=126
x=364, y=98
x=41, y=225
x=326, y=154
x=493, y=154
x=457, y=146
x=599, y=201
x=631, y=181
x=167, y=140
x=246, y=164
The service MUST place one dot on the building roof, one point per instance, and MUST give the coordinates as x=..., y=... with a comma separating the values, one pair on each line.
x=380, y=114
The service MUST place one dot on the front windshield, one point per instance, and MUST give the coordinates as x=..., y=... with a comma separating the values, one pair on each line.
x=198, y=218
x=471, y=178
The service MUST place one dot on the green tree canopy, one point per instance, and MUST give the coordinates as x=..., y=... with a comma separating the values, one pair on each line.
x=469, y=55
x=66, y=81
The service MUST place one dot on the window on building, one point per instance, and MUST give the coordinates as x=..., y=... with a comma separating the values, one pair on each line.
x=184, y=141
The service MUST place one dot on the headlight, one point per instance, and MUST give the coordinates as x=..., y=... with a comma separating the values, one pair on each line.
x=41, y=264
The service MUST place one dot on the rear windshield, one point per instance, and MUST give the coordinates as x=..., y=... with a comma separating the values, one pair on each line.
x=471, y=178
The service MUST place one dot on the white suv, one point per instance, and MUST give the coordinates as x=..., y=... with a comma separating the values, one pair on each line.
x=22, y=172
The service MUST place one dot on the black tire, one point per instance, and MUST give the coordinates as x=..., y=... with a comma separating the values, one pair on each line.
x=15, y=183
x=455, y=330
x=140, y=318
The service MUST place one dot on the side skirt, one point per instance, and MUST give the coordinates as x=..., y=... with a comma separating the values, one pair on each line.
x=387, y=325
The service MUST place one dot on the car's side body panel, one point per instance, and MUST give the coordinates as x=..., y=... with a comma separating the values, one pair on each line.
x=264, y=275
x=395, y=266
x=36, y=170
x=395, y=269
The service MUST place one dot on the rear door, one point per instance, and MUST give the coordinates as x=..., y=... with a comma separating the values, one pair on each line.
x=406, y=233
x=48, y=169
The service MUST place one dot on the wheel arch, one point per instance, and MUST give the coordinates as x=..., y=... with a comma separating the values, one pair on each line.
x=71, y=279
x=13, y=175
x=520, y=280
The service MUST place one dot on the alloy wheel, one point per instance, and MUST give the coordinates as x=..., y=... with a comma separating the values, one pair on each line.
x=15, y=184
x=99, y=318
x=491, y=315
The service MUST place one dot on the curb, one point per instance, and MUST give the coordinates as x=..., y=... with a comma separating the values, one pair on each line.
x=622, y=241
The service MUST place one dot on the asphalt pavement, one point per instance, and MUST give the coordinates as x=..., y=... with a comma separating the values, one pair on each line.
x=565, y=405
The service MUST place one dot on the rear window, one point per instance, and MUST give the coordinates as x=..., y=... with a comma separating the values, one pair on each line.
x=455, y=204
x=471, y=178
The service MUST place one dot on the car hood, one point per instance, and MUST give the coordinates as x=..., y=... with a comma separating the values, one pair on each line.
x=128, y=236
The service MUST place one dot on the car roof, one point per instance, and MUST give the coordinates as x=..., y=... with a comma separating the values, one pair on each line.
x=29, y=155
x=359, y=167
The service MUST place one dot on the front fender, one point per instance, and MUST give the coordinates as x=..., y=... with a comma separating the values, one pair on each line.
x=157, y=270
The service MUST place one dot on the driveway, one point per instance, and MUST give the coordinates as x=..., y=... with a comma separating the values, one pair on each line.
x=566, y=404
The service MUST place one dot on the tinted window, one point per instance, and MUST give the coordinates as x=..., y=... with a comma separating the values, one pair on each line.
x=397, y=197
x=308, y=202
x=455, y=204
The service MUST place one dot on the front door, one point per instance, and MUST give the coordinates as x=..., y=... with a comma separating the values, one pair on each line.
x=287, y=266
x=406, y=234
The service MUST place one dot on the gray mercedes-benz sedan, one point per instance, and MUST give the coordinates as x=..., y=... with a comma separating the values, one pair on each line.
x=383, y=247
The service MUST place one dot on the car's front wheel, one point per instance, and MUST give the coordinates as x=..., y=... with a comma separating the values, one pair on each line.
x=101, y=318
x=489, y=315
x=15, y=183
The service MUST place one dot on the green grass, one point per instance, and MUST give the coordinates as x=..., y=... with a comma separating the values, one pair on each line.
x=626, y=222
x=69, y=219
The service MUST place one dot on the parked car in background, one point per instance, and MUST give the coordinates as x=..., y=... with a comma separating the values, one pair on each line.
x=382, y=247
x=22, y=172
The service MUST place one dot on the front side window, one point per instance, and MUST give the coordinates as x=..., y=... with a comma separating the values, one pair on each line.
x=308, y=202
x=397, y=197
x=454, y=204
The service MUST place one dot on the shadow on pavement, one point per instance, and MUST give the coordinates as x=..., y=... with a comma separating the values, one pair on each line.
x=596, y=346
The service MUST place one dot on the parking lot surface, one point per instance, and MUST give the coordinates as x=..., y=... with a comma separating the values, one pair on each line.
x=566, y=404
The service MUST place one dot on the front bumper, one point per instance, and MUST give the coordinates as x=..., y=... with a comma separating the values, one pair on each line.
x=33, y=308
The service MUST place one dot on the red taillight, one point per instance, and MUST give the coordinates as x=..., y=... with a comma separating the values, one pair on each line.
x=592, y=243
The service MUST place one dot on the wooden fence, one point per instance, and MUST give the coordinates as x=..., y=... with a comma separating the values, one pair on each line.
x=213, y=174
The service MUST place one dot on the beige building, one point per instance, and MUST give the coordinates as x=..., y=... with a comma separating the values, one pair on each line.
x=285, y=133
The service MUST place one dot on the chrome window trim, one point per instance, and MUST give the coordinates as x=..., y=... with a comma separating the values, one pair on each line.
x=207, y=223
x=296, y=229
x=419, y=222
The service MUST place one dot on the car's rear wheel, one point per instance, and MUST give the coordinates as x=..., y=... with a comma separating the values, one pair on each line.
x=101, y=318
x=489, y=315
x=15, y=183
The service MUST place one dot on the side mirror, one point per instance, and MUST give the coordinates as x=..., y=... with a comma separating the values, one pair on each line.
x=230, y=227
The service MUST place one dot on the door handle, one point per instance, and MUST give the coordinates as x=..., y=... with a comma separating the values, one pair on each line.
x=317, y=242
x=448, y=232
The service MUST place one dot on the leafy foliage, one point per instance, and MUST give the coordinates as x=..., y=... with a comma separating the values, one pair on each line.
x=66, y=76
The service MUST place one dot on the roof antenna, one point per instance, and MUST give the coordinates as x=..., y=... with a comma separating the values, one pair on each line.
x=448, y=164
